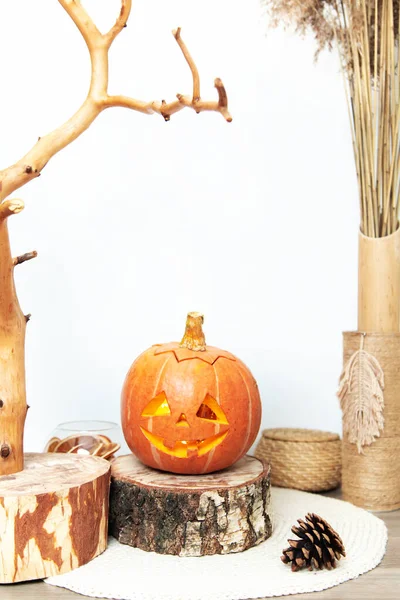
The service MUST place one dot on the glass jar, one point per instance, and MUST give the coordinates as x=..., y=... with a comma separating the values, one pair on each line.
x=96, y=438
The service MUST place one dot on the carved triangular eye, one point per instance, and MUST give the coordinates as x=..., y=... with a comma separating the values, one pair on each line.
x=211, y=411
x=158, y=407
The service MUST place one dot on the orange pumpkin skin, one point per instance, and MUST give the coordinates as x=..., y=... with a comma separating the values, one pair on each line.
x=208, y=409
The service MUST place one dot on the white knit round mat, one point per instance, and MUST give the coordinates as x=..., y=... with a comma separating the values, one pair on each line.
x=126, y=573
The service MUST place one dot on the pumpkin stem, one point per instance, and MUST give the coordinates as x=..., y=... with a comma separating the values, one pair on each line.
x=194, y=337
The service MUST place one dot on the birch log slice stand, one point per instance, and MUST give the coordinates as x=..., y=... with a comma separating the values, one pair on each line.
x=190, y=515
x=53, y=515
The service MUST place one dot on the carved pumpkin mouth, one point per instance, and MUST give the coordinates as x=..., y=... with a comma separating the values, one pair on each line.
x=185, y=448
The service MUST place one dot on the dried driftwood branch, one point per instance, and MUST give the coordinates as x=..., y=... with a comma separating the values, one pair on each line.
x=13, y=405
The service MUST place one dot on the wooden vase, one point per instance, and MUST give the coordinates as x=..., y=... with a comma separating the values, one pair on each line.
x=379, y=283
x=371, y=479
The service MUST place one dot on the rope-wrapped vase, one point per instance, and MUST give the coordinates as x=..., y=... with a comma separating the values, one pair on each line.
x=371, y=420
x=303, y=459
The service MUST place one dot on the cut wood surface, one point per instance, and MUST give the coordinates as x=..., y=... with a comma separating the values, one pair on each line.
x=53, y=515
x=190, y=515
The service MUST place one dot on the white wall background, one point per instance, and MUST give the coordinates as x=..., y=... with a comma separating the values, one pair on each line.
x=253, y=223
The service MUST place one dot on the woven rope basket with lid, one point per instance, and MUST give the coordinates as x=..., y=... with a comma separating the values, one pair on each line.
x=304, y=459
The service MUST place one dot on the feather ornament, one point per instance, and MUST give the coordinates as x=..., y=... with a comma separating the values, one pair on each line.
x=361, y=386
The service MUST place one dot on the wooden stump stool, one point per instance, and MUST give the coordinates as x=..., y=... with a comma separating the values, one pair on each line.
x=53, y=515
x=190, y=515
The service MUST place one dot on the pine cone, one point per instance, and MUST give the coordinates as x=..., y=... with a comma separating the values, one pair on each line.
x=319, y=545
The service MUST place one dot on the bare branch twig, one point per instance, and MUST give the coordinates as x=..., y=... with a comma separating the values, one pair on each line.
x=18, y=260
x=120, y=23
x=165, y=109
x=98, y=99
x=192, y=65
x=83, y=21
x=10, y=207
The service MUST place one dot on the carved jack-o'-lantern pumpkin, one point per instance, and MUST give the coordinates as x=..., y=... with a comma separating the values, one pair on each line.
x=188, y=407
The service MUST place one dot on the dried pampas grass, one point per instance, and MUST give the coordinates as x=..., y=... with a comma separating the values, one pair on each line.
x=366, y=32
